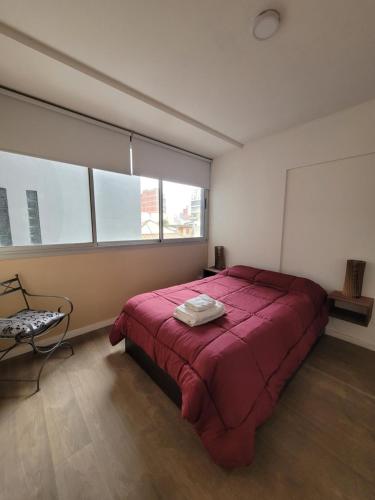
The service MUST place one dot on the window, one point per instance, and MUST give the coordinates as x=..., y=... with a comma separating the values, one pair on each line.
x=48, y=203
x=109, y=186
x=5, y=231
x=126, y=207
x=183, y=211
x=56, y=206
x=34, y=221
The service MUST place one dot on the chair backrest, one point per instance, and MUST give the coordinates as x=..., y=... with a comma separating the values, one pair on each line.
x=13, y=285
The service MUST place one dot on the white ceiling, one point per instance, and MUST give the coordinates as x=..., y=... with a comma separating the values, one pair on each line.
x=197, y=57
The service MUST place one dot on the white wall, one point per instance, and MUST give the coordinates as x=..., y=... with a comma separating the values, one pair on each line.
x=248, y=195
x=329, y=218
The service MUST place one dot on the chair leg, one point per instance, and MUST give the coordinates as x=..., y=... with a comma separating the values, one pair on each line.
x=50, y=349
x=43, y=364
x=31, y=345
x=46, y=350
x=49, y=352
x=4, y=352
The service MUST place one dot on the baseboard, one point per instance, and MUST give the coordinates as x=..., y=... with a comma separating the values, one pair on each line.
x=90, y=328
x=22, y=349
x=350, y=338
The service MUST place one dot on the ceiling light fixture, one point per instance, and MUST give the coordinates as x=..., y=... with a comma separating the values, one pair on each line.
x=266, y=24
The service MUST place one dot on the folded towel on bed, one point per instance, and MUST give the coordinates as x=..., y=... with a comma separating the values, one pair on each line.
x=193, y=318
x=200, y=302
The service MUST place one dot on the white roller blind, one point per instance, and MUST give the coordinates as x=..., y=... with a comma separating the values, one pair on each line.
x=32, y=129
x=151, y=159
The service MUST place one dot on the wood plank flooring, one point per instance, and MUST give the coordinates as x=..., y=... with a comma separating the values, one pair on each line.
x=100, y=429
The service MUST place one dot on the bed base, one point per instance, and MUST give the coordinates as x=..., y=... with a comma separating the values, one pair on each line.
x=159, y=376
x=164, y=381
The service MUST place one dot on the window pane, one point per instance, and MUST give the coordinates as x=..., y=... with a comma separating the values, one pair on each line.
x=182, y=211
x=126, y=207
x=48, y=201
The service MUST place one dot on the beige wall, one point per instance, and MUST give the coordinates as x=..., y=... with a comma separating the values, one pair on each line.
x=248, y=194
x=99, y=282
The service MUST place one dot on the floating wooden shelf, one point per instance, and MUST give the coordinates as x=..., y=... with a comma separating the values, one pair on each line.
x=352, y=309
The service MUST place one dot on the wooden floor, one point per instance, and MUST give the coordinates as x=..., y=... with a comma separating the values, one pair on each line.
x=101, y=429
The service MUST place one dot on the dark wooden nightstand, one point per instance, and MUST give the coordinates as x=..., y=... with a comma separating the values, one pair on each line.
x=211, y=271
x=352, y=309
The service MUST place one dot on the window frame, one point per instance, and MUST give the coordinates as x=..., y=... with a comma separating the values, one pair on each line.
x=25, y=251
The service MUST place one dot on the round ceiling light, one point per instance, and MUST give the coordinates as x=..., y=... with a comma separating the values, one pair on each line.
x=266, y=24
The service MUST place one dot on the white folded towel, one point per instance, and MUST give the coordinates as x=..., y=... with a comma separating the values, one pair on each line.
x=193, y=318
x=200, y=303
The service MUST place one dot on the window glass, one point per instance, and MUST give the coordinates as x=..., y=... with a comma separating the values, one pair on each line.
x=182, y=211
x=44, y=202
x=5, y=231
x=48, y=202
x=126, y=207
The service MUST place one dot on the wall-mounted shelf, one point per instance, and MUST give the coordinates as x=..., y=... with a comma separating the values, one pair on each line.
x=352, y=309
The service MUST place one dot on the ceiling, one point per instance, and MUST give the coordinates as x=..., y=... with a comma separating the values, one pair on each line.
x=192, y=73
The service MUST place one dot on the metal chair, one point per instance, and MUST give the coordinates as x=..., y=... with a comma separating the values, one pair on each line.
x=25, y=325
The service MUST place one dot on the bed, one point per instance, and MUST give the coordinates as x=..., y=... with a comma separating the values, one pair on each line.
x=227, y=374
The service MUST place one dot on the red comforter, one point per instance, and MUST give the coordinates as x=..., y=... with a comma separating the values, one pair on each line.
x=230, y=371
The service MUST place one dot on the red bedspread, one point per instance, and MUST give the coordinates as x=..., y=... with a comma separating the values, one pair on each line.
x=230, y=371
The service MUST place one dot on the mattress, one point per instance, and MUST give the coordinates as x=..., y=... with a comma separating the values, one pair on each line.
x=230, y=371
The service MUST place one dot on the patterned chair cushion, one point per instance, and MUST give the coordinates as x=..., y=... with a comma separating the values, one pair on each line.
x=18, y=324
